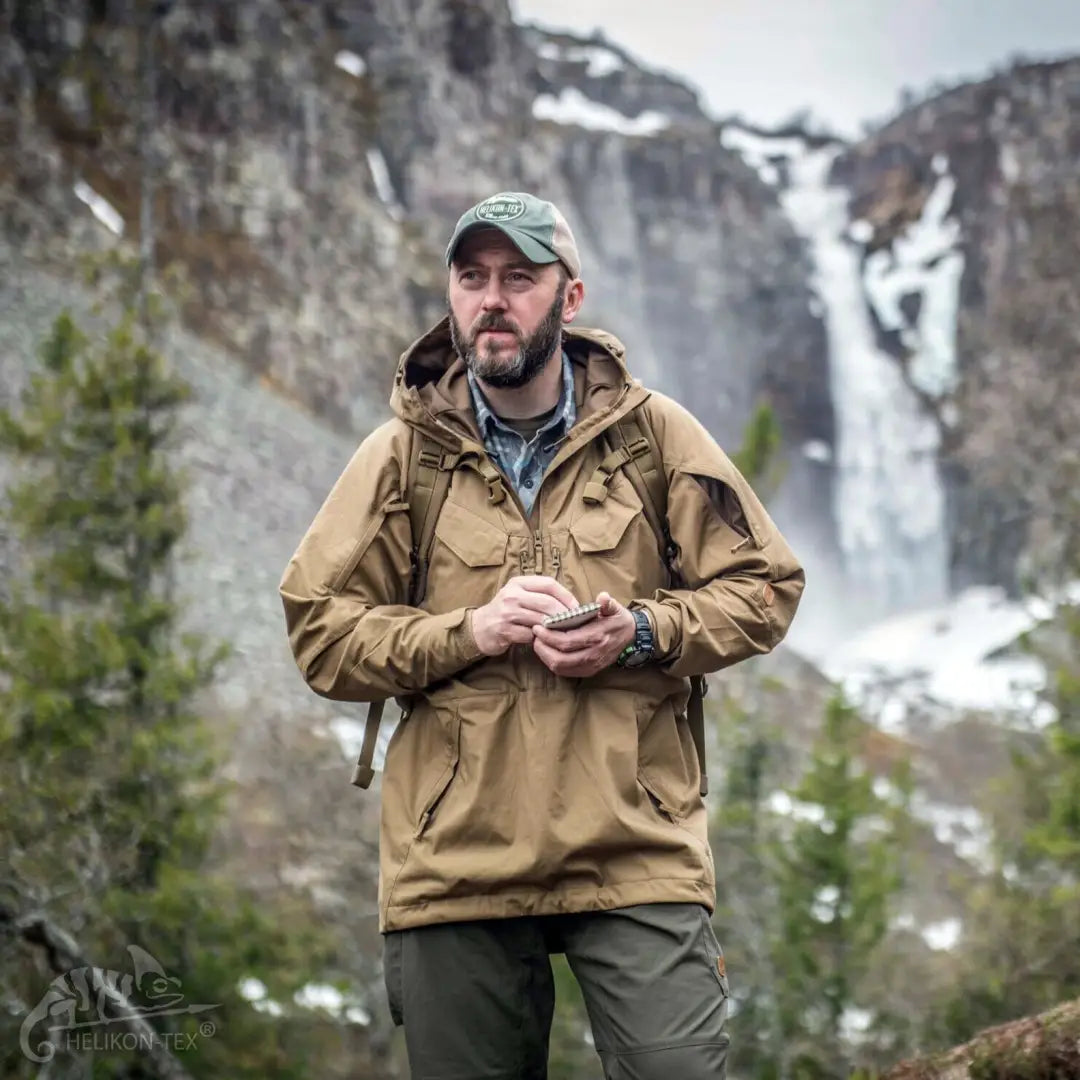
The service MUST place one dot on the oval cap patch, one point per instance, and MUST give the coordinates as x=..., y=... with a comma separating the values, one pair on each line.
x=500, y=208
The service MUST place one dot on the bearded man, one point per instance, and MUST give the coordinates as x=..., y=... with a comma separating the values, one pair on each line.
x=544, y=792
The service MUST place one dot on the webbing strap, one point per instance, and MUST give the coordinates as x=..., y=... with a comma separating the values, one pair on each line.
x=430, y=471
x=496, y=491
x=363, y=773
x=596, y=490
x=695, y=718
x=646, y=474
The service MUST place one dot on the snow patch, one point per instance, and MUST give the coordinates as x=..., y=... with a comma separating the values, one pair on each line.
x=762, y=152
x=943, y=935
x=380, y=175
x=328, y=997
x=961, y=828
x=100, y=207
x=823, y=908
x=254, y=990
x=862, y=232
x=573, y=107
x=350, y=62
x=319, y=996
x=780, y=802
x=855, y=1023
x=817, y=450
x=601, y=61
x=1009, y=163
x=945, y=653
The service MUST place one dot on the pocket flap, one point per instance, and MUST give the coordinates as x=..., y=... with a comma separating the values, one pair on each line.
x=601, y=527
x=473, y=540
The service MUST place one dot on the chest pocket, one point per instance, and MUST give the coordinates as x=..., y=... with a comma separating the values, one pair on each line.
x=614, y=548
x=468, y=559
x=599, y=529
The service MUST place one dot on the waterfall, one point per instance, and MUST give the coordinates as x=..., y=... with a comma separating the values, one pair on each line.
x=889, y=496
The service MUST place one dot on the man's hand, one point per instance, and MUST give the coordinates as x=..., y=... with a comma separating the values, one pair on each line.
x=590, y=648
x=521, y=604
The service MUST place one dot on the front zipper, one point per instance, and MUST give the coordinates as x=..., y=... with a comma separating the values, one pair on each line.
x=556, y=562
x=538, y=550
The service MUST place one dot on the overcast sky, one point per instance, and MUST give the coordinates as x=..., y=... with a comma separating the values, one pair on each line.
x=846, y=60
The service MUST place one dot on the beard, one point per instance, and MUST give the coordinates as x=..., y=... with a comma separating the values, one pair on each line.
x=532, y=354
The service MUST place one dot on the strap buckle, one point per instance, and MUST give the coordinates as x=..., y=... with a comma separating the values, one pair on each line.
x=596, y=490
x=496, y=491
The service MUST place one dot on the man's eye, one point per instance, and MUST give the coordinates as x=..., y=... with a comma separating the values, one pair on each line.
x=517, y=277
x=469, y=275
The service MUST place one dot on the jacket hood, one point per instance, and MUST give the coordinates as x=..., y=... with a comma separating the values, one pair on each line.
x=431, y=390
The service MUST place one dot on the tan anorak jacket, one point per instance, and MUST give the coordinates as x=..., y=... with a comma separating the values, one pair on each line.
x=508, y=790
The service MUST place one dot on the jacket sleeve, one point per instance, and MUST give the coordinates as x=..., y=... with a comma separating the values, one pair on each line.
x=351, y=630
x=743, y=583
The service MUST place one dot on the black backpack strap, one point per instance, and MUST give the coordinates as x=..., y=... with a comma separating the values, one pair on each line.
x=427, y=484
x=644, y=467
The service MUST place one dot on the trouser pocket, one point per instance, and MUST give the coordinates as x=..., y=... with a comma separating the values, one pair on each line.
x=714, y=955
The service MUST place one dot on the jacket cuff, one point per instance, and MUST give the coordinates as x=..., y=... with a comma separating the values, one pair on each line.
x=463, y=645
x=667, y=627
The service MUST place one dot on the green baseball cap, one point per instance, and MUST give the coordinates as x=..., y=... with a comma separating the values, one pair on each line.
x=535, y=227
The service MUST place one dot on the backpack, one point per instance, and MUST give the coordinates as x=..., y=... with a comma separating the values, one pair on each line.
x=430, y=470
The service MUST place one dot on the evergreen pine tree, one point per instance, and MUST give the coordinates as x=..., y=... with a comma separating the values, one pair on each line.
x=753, y=752
x=837, y=870
x=110, y=775
x=1022, y=953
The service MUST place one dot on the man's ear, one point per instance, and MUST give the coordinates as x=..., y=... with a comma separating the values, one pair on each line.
x=575, y=297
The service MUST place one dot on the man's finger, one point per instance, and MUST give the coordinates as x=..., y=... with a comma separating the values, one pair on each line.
x=567, y=640
x=608, y=604
x=540, y=603
x=539, y=583
x=564, y=663
x=551, y=641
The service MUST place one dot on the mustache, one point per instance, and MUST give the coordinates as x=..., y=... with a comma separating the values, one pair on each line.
x=494, y=321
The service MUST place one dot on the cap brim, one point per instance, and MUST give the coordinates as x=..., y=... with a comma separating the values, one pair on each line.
x=531, y=248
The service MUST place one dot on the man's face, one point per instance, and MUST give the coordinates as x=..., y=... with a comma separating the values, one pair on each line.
x=506, y=313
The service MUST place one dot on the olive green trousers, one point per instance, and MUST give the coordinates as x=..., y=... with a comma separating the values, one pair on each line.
x=476, y=998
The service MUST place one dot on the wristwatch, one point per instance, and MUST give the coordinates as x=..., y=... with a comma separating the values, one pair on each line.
x=641, y=649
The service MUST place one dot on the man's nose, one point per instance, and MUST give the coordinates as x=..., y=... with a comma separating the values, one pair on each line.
x=493, y=295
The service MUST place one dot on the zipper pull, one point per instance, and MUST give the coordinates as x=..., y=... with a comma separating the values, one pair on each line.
x=556, y=561
x=538, y=548
x=523, y=560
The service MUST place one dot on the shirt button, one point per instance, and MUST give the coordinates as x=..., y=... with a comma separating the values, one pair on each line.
x=528, y=482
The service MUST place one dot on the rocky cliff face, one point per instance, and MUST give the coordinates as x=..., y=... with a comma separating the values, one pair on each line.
x=311, y=159
x=314, y=156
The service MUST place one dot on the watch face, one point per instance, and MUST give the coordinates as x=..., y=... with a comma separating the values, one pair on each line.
x=636, y=659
